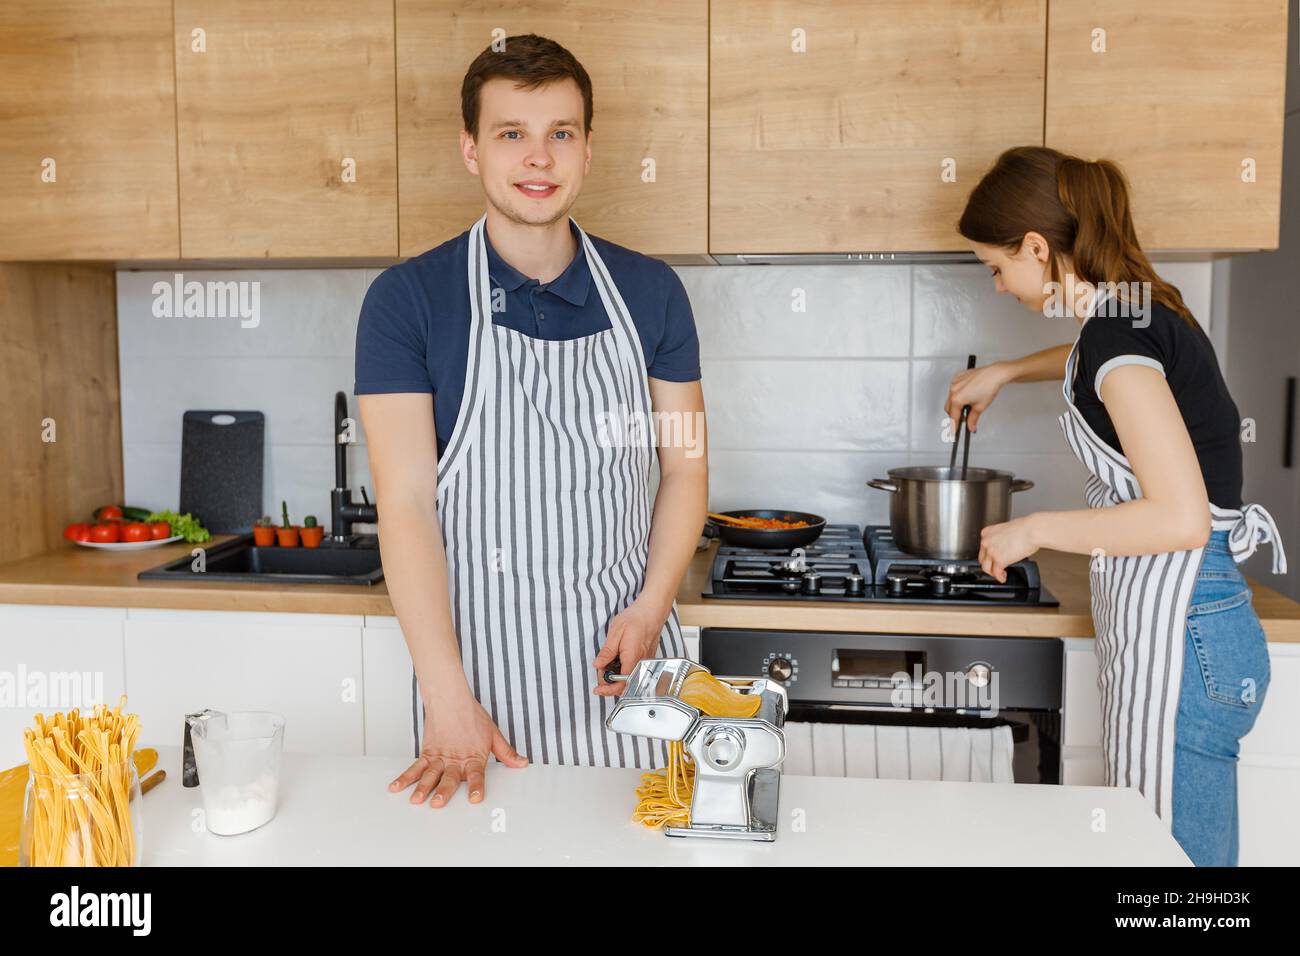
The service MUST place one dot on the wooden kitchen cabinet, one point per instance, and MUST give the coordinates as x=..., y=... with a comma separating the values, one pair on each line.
x=286, y=128
x=1188, y=97
x=87, y=119
x=872, y=137
x=647, y=188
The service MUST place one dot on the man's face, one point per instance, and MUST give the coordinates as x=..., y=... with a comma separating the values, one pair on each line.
x=530, y=152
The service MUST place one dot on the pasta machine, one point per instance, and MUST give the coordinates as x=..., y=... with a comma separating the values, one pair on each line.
x=737, y=759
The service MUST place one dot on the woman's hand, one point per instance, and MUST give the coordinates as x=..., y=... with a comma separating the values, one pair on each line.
x=455, y=748
x=976, y=387
x=633, y=636
x=1002, y=545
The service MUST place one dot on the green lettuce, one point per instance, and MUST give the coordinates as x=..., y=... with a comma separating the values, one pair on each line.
x=186, y=525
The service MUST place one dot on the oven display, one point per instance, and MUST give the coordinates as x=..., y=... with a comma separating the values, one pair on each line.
x=874, y=667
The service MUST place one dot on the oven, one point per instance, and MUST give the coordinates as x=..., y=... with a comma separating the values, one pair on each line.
x=900, y=705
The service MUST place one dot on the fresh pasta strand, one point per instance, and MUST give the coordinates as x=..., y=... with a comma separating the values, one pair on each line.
x=80, y=777
x=664, y=796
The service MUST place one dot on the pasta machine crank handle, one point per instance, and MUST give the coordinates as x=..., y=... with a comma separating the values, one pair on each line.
x=612, y=676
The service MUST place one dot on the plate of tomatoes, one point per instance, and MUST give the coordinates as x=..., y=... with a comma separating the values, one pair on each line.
x=118, y=529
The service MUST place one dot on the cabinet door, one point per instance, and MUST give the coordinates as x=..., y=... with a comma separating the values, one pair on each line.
x=1187, y=95
x=55, y=659
x=287, y=128
x=305, y=666
x=390, y=721
x=649, y=71
x=845, y=126
x=88, y=123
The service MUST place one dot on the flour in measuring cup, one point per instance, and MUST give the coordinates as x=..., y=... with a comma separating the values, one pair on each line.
x=238, y=808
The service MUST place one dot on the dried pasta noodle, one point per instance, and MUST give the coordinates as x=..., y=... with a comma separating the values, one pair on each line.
x=81, y=787
x=664, y=796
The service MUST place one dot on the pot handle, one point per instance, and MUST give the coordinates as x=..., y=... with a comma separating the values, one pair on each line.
x=1021, y=484
x=883, y=485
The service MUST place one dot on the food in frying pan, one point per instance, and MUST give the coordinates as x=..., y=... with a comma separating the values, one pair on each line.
x=761, y=524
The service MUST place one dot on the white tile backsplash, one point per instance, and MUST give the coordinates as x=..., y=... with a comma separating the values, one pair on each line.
x=1021, y=419
x=800, y=311
x=956, y=311
x=302, y=313
x=804, y=406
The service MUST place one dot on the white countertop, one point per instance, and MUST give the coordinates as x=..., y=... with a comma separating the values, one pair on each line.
x=338, y=811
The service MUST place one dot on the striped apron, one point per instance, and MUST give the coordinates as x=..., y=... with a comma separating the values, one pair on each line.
x=544, y=503
x=1139, y=613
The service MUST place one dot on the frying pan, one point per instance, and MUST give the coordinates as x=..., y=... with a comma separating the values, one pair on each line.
x=775, y=539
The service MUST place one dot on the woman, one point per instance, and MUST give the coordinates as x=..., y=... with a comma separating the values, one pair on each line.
x=1183, y=660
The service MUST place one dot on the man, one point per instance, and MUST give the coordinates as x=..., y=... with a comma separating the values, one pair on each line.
x=496, y=376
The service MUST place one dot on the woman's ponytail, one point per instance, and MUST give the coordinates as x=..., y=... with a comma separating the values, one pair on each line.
x=1080, y=207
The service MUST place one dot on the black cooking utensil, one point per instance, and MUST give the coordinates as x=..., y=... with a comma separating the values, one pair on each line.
x=963, y=433
x=772, y=539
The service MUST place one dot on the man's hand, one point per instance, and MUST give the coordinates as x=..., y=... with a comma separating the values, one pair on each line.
x=455, y=748
x=633, y=636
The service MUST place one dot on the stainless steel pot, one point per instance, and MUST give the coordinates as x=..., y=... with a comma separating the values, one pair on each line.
x=935, y=513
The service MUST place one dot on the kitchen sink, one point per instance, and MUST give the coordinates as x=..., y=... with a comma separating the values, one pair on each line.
x=240, y=560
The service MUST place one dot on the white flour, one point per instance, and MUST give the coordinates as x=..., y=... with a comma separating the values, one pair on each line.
x=237, y=808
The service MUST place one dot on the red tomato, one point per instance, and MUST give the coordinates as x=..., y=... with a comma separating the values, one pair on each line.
x=135, y=531
x=108, y=512
x=73, y=530
x=159, y=529
x=106, y=533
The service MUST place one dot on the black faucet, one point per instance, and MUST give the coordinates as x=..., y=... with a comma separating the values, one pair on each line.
x=344, y=512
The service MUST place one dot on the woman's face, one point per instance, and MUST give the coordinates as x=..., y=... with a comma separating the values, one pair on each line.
x=1023, y=273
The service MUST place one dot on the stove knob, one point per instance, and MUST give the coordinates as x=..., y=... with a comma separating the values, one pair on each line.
x=979, y=674
x=854, y=585
x=940, y=585
x=896, y=584
x=780, y=669
x=790, y=585
x=812, y=583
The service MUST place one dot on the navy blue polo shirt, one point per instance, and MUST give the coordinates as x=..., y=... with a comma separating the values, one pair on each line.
x=413, y=333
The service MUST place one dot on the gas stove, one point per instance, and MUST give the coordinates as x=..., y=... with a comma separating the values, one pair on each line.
x=846, y=565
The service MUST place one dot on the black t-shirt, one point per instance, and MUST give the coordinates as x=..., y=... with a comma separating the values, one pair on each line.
x=1183, y=354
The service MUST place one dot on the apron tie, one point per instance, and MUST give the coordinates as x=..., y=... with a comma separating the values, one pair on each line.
x=1255, y=527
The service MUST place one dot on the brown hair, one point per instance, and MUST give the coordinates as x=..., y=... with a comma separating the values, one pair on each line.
x=531, y=61
x=1080, y=207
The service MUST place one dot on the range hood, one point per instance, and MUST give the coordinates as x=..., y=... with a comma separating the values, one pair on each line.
x=841, y=258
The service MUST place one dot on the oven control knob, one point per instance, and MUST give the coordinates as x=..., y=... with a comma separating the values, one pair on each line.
x=812, y=583
x=854, y=584
x=940, y=585
x=979, y=674
x=896, y=584
x=723, y=748
x=780, y=669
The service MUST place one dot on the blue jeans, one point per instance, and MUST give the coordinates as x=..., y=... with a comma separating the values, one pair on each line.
x=1225, y=676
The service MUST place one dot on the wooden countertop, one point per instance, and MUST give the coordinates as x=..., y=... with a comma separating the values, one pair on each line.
x=71, y=575
x=74, y=575
x=1065, y=575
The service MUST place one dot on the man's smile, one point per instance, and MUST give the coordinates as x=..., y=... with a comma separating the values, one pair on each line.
x=537, y=188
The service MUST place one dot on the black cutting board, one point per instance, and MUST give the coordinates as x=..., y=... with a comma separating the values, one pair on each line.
x=221, y=469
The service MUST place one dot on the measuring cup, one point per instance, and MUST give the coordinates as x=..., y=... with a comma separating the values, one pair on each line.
x=238, y=758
